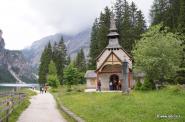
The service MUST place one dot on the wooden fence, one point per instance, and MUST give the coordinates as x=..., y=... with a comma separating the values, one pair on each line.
x=9, y=101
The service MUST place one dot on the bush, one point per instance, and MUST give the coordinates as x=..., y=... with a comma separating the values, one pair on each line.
x=180, y=80
x=54, y=90
x=169, y=81
x=79, y=88
x=148, y=85
x=138, y=85
x=177, y=89
x=53, y=81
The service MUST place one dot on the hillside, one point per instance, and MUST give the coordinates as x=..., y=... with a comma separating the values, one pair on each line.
x=13, y=66
x=73, y=42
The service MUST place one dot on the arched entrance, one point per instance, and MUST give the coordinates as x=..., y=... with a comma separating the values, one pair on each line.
x=114, y=83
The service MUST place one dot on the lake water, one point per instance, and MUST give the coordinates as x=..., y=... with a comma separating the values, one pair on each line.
x=12, y=87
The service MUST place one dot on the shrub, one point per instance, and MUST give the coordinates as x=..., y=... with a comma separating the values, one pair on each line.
x=148, y=85
x=138, y=85
x=53, y=81
x=176, y=89
x=180, y=80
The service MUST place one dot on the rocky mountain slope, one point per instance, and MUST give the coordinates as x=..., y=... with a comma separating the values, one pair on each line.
x=74, y=43
x=21, y=66
x=13, y=66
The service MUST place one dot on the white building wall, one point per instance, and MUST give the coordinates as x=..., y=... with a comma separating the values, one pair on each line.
x=91, y=83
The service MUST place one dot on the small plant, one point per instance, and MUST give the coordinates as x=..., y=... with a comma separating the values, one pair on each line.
x=148, y=85
x=180, y=80
x=138, y=85
x=53, y=81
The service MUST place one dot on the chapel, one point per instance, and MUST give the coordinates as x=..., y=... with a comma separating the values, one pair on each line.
x=109, y=64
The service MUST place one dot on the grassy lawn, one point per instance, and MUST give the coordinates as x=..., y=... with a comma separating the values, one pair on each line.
x=139, y=106
x=21, y=107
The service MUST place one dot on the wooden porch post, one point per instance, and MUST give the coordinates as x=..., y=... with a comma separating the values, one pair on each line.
x=125, y=77
x=97, y=79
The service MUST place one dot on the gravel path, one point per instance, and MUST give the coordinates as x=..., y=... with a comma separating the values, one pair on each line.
x=42, y=109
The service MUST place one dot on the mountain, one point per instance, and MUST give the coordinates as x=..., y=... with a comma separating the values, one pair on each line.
x=73, y=43
x=14, y=67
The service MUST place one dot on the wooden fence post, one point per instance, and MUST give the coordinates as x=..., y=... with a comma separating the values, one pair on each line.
x=7, y=112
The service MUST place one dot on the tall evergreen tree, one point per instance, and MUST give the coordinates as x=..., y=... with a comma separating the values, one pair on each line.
x=119, y=13
x=93, y=45
x=80, y=61
x=68, y=61
x=103, y=30
x=60, y=58
x=181, y=18
x=166, y=11
x=158, y=11
x=133, y=11
x=52, y=75
x=130, y=23
x=140, y=25
x=44, y=64
x=99, y=33
x=181, y=30
x=126, y=28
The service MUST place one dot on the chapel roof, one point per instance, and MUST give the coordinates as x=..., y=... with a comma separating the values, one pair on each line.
x=113, y=35
x=90, y=74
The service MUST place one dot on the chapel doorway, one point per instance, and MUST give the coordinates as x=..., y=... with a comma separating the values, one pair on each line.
x=114, y=83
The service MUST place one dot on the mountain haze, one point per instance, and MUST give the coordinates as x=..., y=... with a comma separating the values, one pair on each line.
x=73, y=43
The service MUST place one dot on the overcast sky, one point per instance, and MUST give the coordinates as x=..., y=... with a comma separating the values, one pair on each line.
x=25, y=21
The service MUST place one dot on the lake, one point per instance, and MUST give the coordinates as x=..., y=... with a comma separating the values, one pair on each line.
x=12, y=87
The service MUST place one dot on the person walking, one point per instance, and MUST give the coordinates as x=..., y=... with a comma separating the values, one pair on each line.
x=99, y=85
x=41, y=89
x=45, y=88
x=110, y=85
x=119, y=85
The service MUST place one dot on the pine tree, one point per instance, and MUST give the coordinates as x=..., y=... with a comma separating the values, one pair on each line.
x=60, y=58
x=52, y=75
x=133, y=11
x=130, y=23
x=80, y=61
x=44, y=64
x=158, y=11
x=181, y=18
x=68, y=61
x=165, y=11
x=99, y=33
x=119, y=13
x=93, y=45
x=71, y=76
x=181, y=31
x=126, y=28
x=103, y=30
x=140, y=25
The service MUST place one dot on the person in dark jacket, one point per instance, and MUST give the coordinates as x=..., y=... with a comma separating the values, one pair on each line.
x=99, y=85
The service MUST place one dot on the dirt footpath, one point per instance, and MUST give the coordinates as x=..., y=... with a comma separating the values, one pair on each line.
x=43, y=108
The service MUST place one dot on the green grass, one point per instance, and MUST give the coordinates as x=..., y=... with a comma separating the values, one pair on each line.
x=22, y=106
x=139, y=106
x=65, y=115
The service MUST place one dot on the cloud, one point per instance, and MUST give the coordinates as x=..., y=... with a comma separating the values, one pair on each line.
x=69, y=16
x=25, y=21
